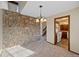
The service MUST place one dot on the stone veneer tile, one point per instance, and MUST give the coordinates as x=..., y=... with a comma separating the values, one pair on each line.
x=18, y=28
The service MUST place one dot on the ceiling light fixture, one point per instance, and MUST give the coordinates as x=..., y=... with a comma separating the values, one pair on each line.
x=40, y=19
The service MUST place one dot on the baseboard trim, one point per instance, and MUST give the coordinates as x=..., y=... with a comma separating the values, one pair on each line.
x=49, y=42
x=74, y=52
x=68, y=50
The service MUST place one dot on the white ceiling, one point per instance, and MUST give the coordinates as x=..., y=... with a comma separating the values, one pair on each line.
x=49, y=7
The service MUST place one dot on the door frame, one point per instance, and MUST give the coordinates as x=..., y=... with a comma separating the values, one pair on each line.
x=55, y=40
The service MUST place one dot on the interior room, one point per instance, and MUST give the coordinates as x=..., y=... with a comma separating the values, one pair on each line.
x=39, y=29
x=62, y=30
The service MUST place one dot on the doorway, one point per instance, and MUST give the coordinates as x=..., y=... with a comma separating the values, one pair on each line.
x=62, y=32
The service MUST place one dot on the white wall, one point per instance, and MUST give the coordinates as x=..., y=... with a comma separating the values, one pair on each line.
x=74, y=28
x=50, y=30
x=4, y=5
x=12, y=7
x=21, y=5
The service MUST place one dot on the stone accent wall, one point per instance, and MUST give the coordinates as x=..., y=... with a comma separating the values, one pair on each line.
x=18, y=29
x=1, y=31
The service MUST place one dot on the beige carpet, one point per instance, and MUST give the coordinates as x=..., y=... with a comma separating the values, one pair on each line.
x=42, y=48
